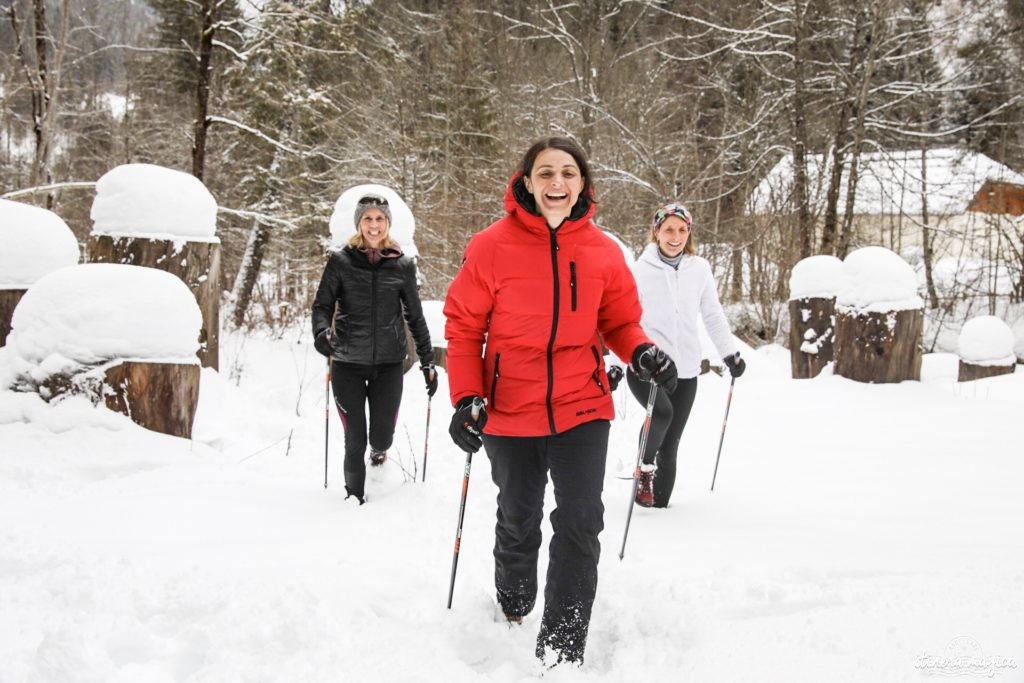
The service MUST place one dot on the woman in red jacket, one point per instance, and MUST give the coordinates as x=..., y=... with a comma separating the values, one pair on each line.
x=537, y=293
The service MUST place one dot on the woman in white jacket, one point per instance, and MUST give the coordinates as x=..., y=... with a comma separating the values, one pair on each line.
x=675, y=286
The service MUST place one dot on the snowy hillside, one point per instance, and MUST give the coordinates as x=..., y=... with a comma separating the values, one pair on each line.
x=856, y=533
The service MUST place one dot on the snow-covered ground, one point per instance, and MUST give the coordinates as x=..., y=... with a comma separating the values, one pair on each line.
x=856, y=533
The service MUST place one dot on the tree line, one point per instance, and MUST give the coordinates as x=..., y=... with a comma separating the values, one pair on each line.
x=280, y=105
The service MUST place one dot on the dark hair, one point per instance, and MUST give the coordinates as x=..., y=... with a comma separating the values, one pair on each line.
x=525, y=168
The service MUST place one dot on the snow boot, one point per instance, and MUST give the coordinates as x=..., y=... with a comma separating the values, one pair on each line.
x=377, y=458
x=360, y=497
x=645, y=486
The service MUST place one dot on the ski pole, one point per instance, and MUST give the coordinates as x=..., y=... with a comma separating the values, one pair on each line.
x=477, y=405
x=327, y=419
x=639, y=458
x=426, y=438
x=725, y=421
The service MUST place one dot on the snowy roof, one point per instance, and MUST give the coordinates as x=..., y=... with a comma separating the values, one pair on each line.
x=343, y=224
x=890, y=182
x=145, y=200
x=35, y=241
x=95, y=312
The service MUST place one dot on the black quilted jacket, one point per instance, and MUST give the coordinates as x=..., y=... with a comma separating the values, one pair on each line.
x=374, y=304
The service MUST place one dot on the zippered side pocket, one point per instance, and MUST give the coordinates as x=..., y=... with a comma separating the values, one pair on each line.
x=597, y=371
x=494, y=382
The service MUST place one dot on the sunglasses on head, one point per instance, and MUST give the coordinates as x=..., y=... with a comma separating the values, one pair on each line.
x=372, y=200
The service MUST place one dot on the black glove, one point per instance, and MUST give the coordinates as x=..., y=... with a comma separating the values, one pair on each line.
x=465, y=429
x=614, y=377
x=323, y=342
x=651, y=364
x=430, y=377
x=735, y=364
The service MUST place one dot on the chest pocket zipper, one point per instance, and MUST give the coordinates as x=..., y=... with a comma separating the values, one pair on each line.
x=572, y=283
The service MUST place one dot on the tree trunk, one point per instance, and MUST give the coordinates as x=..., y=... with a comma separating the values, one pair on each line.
x=196, y=263
x=879, y=347
x=927, y=239
x=43, y=76
x=9, y=299
x=201, y=123
x=162, y=397
x=812, y=324
x=248, y=271
x=803, y=212
x=871, y=40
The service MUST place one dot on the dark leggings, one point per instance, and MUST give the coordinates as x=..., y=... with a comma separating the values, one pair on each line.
x=355, y=386
x=671, y=411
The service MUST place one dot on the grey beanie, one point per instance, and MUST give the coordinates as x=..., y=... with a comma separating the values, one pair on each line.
x=372, y=201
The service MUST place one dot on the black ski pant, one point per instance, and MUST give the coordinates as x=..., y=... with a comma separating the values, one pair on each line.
x=671, y=411
x=520, y=467
x=354, y=386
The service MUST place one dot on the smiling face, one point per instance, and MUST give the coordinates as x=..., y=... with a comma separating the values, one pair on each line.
x=555, y=183
x=672, y=236
x=373, y=225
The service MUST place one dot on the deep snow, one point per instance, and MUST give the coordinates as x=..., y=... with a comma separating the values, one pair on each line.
x=856, y=533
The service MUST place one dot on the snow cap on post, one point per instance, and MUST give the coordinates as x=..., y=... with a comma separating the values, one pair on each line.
x=144, y=200
x=402, y=224
x=33, y=242
x=89, y=314
x=877, y=280
x=816, y=277
x=986, y=340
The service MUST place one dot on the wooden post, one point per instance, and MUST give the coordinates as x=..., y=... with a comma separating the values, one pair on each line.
x=879, y=347
x=970, y=371
x=812, y=325
x=196, y=263
x=9, y=299
x=162, y=397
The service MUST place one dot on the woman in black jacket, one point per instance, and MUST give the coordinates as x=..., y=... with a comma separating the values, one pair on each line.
x=368, y=290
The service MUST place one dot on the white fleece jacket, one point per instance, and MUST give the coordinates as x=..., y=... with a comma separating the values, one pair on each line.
x=671, y=300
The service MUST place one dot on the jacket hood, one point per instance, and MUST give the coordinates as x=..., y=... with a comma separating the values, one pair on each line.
x=520, y=204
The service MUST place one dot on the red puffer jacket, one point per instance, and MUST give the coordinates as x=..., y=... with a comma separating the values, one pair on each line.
x=525, y=318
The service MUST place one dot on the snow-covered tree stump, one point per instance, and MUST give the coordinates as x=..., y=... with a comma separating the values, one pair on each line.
x=812, y=321
x=985, y=347
x=9, y=299
x=121, y=335
x=879, y=347
x=196, y=263
x=970, y=371
x=162, y=397
x=155, y=217
x=33, y=242
x=879, y=319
